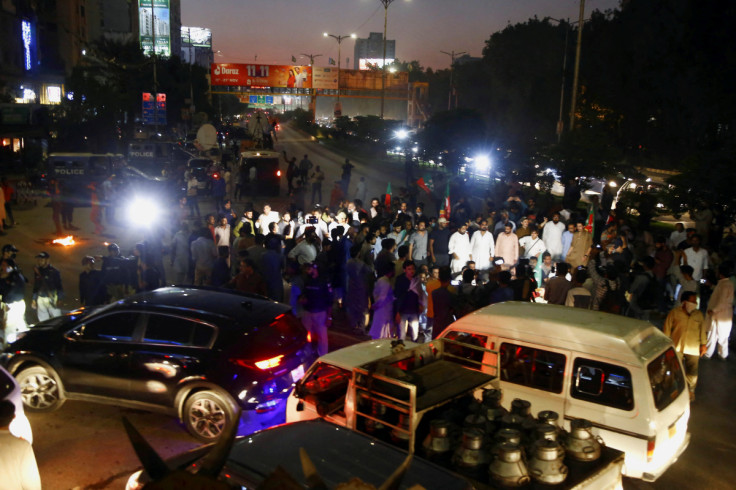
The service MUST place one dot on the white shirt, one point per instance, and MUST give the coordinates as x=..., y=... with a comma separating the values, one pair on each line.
x=265, y=219
x=460, y=246
x=482, y=248
x=532, y=247
x=552, y=237
x=698, y=261
x=677, y=237
x=222, y=236
x=17, y=463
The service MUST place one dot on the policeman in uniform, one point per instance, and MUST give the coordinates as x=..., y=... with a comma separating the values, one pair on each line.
x=12, y=290
x=116, y=274
x=47, y=289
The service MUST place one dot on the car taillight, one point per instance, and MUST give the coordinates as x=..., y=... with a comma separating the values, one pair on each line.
x=269, y=363
x=278, y=173
x=650, y=449
x=309, y=336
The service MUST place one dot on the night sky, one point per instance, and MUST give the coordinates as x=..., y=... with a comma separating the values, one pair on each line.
x=274, y=30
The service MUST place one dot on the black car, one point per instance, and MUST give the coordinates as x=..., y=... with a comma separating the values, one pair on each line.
x=196, y=353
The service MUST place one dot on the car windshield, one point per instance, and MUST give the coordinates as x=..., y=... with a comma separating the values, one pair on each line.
x=282, y=334
x=666, y=379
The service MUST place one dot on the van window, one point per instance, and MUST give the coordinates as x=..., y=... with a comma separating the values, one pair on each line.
x=466, y=352
x=535, y=368
x=98, y=166
x=602, y=383
x=666, y=379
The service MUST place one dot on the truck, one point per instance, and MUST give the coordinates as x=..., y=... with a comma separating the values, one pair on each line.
x=395, y=392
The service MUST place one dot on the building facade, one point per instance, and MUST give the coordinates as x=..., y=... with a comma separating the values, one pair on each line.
x=368, y=52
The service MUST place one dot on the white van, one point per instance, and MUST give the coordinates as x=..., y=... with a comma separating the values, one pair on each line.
x=621, y=374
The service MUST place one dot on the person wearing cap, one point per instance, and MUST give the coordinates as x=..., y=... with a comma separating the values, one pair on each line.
x=12, y=290
x=9, y=251
x=47, y=289
x=91, y=292
x=18, y=465
x=117, y=274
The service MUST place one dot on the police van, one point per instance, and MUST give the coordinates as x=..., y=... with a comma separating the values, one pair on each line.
x=76, y=171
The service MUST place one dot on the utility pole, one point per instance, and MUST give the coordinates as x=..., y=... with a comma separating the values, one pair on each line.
x=577, y=65
x=452, y=55
x=385, y=4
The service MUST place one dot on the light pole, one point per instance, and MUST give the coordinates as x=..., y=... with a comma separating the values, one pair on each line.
x=311, y=57
x=577, y=64
x=339, y=40
x=452, y=55
x=385, y=4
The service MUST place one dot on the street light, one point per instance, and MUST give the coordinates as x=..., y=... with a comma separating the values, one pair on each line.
x=339, y=44
x=311, y=57
x=452, y=55
x=385, y=4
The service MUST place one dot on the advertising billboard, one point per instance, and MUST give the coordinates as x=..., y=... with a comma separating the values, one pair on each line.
x=372, y=63
x=324, y=78
x=155, y=22
x=371, y=80
x=196, y=36
x=245, y=75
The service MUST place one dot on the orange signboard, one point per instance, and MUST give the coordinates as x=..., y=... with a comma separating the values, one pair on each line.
x=371, y=80
x=253, y=75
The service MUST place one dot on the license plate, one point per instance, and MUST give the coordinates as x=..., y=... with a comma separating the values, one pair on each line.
x=297, y=373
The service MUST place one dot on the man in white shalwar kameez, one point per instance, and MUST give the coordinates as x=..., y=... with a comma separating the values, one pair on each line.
x=482, y=247
x=552, y=236
x=459, y=248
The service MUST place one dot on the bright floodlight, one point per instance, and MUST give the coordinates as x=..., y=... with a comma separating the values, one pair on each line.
x=354, y=36
x=402, y=134
x=325, y=34
x=143, y=212
x=482, y=163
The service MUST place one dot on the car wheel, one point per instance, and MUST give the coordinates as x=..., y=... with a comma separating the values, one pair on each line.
x=40, y=389
x=206, y=415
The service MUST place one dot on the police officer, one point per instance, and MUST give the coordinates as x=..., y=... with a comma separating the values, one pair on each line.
x=47, y=289
x=116, y=274
x=9, y=251
x=91, y=291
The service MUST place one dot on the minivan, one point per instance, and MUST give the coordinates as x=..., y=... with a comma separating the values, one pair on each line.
x=622, y=374
x=79, y=170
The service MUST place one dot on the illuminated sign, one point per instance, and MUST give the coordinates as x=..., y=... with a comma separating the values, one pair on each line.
x=370, y=63
x=243, y=75
x=324, y=78
x=27, y=34
x=155, y=26
x=53, y=94
x=196, y=36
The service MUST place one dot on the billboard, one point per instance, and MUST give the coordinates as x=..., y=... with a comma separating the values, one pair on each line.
x=372, y=63
x=371, y=80
x=196, y=36
x=245, y=75
x=324, y=78
x=155, y=22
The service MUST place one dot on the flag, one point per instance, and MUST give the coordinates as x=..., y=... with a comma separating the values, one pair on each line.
x=293, y=59
x=447, y=202
x=423, y=185
x=590, y=222
x=388, y=197
x=332, y=61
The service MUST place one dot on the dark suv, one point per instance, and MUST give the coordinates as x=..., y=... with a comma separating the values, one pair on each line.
x=196, y=353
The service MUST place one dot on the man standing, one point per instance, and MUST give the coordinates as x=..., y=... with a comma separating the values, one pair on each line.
x=203, y=254
x=552, y=236
x=686, y=327
x=408, y=302
x=268, y=216
x=459, y=248
x=47, y=289
x=507, y=247
x=248, y=280
x=91, y=292
x=317, y=178
x=720, y=313
x=439, y=239
x=304, y=167
x=12, y=290
x=696, y=257
x=582, y=240
x=347, y=171
x=482, y=248
x=316, y=301
x=533, y=245
x=117, y=276
x=555, y=292
x=418, y=244
x=17, y=461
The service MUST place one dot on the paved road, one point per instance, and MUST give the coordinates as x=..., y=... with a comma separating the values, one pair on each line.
x=83, y=445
